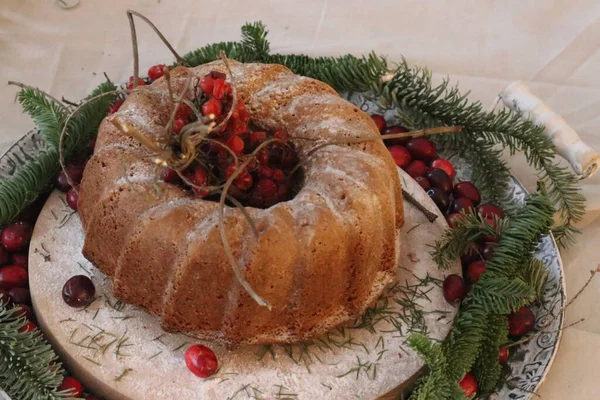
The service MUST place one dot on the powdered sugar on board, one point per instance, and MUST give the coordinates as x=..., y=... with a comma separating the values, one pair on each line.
x=122, y=353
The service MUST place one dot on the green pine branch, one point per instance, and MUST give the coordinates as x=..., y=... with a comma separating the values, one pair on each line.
x=25, y=373
x=436, y=385
x=487, y=369
x=47, y=114
x=535, y=273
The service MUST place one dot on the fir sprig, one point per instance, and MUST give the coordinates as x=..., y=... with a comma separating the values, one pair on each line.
x=24, y=358
x=487, y=369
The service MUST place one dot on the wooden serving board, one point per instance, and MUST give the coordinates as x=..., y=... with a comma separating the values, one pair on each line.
x=121, y=352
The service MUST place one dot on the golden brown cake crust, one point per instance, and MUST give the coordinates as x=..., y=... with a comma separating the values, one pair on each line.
x=320, y=258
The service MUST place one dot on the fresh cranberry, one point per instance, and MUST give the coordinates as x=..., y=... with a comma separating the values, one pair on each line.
x=488, y=210
x=440, y=179
x=171, y=176
x=421, y=149
x=278, y=175
x=256, y=138
x=281, y=135
x=114, y=107
x=416, y=168
x=183, y=111
x=470, y=254
x=243, y=181
x=13, y=276
x=521, y=322
x=467, y=190
x=22, y=310
x=221, y=89
x=379, y=122
x=503, y=355
x=5, y=297
x=469, y=385
x=488, y=250
x=440, y=198
x=460, y=204
x=474, y=271
x=212, y=106
x=72, y=386
x=201, y=361
x=390, y=130
x=199, y=179
x=265, y=172
x=236, y=144
x=4, y=256
x=207, y=84
x=72, y=198
x=155, y=72
x=20, y=295
x=130, y=84
x=453, y=219
x=263, y=157
x=264, y=194
x=444, y=165
x=78, y=291
x=424, y=182
x=400, y=155
x=28, y=327
x=75, y=172
x=454, y=288
x=178, y=125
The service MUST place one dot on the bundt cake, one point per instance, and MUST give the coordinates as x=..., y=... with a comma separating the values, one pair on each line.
x=320, y=258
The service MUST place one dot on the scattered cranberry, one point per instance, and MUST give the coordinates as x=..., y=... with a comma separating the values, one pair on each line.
x=264, y=194
x=113, y=108
x=78, y=291
x=390, y=130
x=445, y=166
x=4, y=256
x=201, y=361
x=73, y=198
x=155, y=72
x=178, y=125
x=488, y=250
x=212, y=106
x=278, y=175
x=460, y=204
x=474, y=271
x=488, y=210
x=206, y=84
x=453, y=219
x=470, y=254
x=140, y=82
x=424, y=182
x=256, y=138
x=243, y=181
x=13, y=276
x=454, y=288
x=28, y=327
x=440, y=179
x=22, y=310
x=20, y=295
x=16, y=236
x=416, y=168
x=468, y=190
x=75, y=172
x=199, y=179
x=469, y=385
x=72, y=386
x=440, y=198
x=21, y=259
x=521, y=322
x=379, y=122
x=221, y=89
x=400, y=155
x=183, y=111
x=503, y=355
x=421, y=149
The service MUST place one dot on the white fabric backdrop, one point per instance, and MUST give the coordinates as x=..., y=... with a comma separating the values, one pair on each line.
x=484, y=45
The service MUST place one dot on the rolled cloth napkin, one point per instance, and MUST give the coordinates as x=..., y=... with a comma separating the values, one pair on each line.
x=584, y=160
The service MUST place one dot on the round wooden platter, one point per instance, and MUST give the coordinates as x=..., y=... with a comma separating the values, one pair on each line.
x=121, y=352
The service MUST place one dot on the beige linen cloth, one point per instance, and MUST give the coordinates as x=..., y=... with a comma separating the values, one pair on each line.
x=483, y=45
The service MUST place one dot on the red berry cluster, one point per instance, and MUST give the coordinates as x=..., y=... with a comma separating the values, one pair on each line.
x=266, y=179
x=418, y=157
